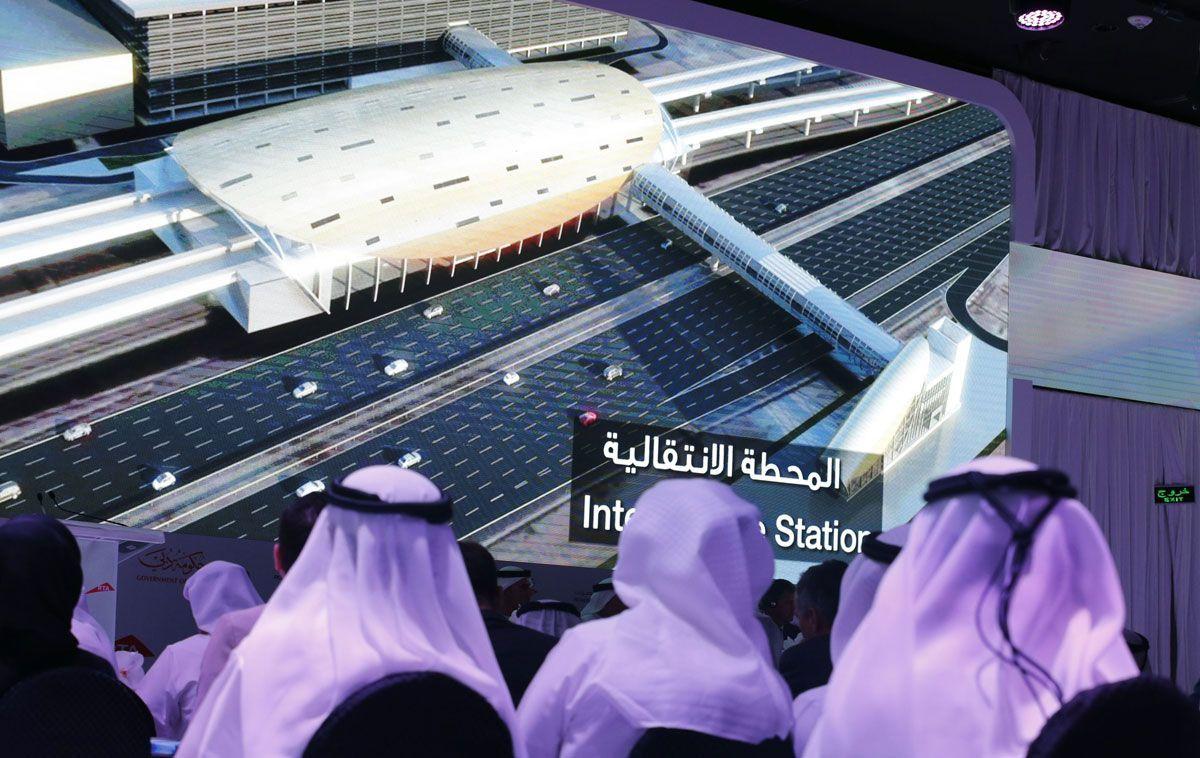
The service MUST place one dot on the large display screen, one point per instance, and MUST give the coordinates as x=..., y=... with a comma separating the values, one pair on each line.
x=498, y=262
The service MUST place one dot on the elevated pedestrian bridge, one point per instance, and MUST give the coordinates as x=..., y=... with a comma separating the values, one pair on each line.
x=863, y=345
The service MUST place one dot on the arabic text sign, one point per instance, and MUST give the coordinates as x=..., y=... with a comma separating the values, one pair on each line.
x=169, y=565
x=799, y=489
x=722, y=460
x=1175, y=493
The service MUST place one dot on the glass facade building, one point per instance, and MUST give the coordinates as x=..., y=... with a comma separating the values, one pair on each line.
x=198, y=57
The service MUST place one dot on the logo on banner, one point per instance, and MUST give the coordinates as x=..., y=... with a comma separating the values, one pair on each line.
x=816, y=503
x=169, y=565
x=102, y=587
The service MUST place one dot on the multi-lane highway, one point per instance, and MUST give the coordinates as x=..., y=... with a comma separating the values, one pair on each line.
x=211, y=425
x=851, y=255
x=194, y=431
x=834, y=176
x=502, y=446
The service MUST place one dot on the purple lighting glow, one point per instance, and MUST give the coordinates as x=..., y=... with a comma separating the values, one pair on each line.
x=1040, y=20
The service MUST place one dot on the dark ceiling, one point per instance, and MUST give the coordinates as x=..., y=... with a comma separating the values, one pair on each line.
x=1096, y=52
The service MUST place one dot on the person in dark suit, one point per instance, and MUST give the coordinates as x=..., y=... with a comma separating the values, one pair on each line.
x=519, y=650
x=808, y=664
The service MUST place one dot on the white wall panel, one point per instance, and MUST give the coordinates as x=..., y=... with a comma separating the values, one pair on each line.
x=1102, y=328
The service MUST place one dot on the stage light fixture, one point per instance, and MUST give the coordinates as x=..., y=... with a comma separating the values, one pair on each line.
x=1039, y=15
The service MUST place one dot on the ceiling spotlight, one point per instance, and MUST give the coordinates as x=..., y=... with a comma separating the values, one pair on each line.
x=1042, y=19
x=1039, y=15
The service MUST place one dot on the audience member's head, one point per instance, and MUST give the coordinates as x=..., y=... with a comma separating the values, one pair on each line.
x=604, y=601
x=1003, y=603
x=217, y=588
x=548, y=616
x=295, y=524
x=860, y=582
x=779, y=602
x=516, y=588
x=378, y=589
x=859, y=585
x=40, y=582
x=1144, y=715
x=690, y=651
x=481, y=570
x=817, y=595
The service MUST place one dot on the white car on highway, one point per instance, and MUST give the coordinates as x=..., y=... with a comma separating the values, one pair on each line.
x=304, y=389
x=613, y=372
x=433, y=311
x=666, y=244
x=781, y=208
x=9, y=491
x=511, y=378
x=162, y=481
x=308, y=488
x=77, y=432
x=409, y=459
x=398, y=366
x=551, y=290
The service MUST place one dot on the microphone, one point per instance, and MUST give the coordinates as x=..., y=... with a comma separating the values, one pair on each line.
x=64, y=509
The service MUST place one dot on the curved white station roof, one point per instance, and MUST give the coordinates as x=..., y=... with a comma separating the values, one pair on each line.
x=433, y=167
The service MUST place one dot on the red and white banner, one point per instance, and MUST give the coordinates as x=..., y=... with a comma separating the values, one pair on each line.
x=100, y=581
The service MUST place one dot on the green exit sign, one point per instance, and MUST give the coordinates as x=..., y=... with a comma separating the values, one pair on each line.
x=1175, y=493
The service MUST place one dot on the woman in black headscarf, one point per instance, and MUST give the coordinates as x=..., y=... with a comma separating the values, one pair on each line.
x=40, y=582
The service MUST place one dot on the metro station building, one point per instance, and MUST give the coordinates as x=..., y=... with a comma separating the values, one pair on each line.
x=345, y=191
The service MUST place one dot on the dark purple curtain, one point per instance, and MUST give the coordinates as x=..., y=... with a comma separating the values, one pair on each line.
x=1113, y=183
x=1123, y=186
x=1116, y=451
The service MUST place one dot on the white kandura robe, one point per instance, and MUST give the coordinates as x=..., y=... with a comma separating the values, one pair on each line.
x=90, y=635
x=559, y=717
x=169, y=687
